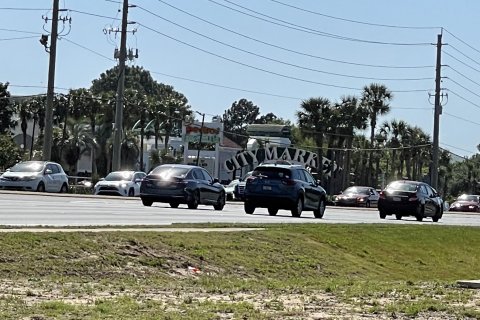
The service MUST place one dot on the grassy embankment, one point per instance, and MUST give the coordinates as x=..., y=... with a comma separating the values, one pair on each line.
x=282, y=272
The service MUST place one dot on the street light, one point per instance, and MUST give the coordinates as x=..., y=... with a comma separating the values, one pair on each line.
x=201, y=132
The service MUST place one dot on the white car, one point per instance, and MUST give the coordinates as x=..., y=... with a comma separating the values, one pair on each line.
x=230, y=189
x=120, y=183
x=38, y=176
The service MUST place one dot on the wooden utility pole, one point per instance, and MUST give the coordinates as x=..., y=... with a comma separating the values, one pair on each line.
x=118, y=129
x=48, y=134
x=437, y=113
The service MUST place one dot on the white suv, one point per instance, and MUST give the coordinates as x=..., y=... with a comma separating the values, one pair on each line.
x=38, y=176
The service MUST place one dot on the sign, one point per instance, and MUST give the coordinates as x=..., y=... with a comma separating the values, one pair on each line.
x=245, y=158
x=192, y=133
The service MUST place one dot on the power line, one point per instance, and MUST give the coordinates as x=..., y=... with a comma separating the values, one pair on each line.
x=352, y=21
x=18, y=38
x=449, y=145
x=471, y=47
x=93, y=14
x=463, y=87
x=264, y=70
x=460, y=61
x=280, y=61
x=463, y=54
x=25, y=9
x=88, y=49
x=460, y=118
x=20, y=31
x=293, y=26
x=461, y=74
x=226, y=87
x=464, y=99
x=291, y=50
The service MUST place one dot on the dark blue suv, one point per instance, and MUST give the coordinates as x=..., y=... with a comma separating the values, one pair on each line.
x=279, y=186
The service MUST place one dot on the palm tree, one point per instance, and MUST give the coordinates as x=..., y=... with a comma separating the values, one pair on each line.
x=393, y=131
x=80, y=141
x=375, y=98
x=312, y=121
x=353, y=117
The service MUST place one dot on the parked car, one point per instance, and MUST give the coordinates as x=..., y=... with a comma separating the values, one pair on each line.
x=240, y=187
x=290, y=187
x=182, y=184
x=120, y=183
x=357, y=196
x=230, y=189
x=410, y=198
x=38, y=176
x=466, y=203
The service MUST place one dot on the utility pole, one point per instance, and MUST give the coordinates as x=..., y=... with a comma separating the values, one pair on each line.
x=48, y=134
x=201, y=134
x=118, y=129
x=437, y=113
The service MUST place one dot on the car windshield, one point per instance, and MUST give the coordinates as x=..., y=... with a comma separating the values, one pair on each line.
x=166, y=172
x=402, y=186
x=29, y=166
x=119, y=176
x=466, y=197
x=357, y=190
x=272, y=173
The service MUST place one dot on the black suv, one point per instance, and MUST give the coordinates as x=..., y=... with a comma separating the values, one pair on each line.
x=279, y=186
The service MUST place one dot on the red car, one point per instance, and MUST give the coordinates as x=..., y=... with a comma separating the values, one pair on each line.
x=466, y=203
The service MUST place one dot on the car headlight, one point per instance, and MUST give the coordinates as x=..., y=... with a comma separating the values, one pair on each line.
x=123, y=185
x=471, y=207
x=361, y=199
x=28, y=178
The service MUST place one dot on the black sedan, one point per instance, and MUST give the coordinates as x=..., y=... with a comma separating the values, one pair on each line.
x=466, y=203
x=410, y=198
x=182, y=184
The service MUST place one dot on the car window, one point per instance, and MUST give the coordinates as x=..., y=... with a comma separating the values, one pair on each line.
x=402, y=186
x=197, y=174
x=55, y=168
x=309, y=177
x=119, y=176
x=29, y=166
x=423, y=189
x=272, y=173
x=207, y=176
x=166, y=172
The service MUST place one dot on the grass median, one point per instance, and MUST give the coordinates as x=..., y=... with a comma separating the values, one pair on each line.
x=281, y=272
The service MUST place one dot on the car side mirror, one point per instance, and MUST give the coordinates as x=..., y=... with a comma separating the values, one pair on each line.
x=48, y=171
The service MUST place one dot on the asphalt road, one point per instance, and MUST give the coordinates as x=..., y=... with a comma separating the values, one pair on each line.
x=33, y=209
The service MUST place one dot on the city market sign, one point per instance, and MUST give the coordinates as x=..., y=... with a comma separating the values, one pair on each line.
x=249, y=157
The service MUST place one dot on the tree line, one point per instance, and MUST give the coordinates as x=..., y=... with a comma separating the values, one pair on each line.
x=334, y=129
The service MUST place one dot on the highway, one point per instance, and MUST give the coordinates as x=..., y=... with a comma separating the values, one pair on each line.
x=34, y=209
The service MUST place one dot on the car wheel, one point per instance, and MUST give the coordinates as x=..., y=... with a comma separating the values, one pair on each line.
x=318, y=213
x=382, y=214
x=272, y=211
x=298, y=208
x=64, y=188
x=398, y=216
x=249, y=208
x=193, y=203
x=420, y=212
x=41, y=187
x=221, y=202
x=174, y=204
x=438, y=215
x=131, y=192
x=147, y=202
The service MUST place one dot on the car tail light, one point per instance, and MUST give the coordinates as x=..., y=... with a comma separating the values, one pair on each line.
x=382, y=195
x=288, y=182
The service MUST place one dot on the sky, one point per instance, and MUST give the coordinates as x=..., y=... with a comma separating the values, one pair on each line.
x=274, y=53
